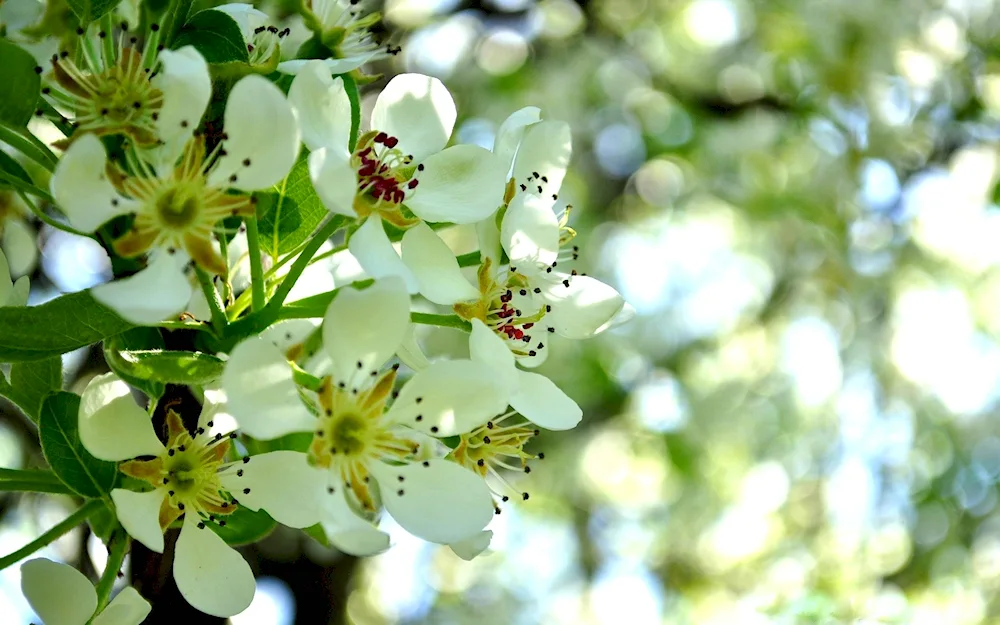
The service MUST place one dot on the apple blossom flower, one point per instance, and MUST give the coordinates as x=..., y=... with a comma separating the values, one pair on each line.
x=368, y=440
x=262, y=39
x=191, y=478
x=400, y=171
x=12, y=293
x=183, y=190
x=344, y=28
x=117, y=89
x=61, y=595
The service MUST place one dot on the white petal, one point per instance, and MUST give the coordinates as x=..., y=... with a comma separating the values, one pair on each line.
x=463, y=184
x=81, y=188
x=347, y=531
x=286, y=334
x=187, y=88
x=410, y=353
x=471, y=547
x=451, y=397
x=210, y=574
x=245, y=16
x=262, y=395
x=545, y=150
x=435, y=268
x=333, y=179
x=442, y=502
x=530, y=362
x=159, y=291
x=543, y=403
x=128, y=608
x=323, y=107
x=363, y=329
x=488, y=348
x=333, y=66
x=530, y=232
x=623, y=316
x=19, y=244
x=283, y=484
x=139, y=514
x=6, y=284
x=419, y=111
x=377, y=256
x=57, y=592
x=262, y=131
x=112, y=426
x=582, y=308
x=18, y=295
x=488, y=234
x=214, y=410
x=510, y=133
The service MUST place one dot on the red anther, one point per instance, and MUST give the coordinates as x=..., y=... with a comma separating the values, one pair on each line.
x=381, y=137
x=518, y=334
x=391, y=142
x=527, y=326
x=412, y=184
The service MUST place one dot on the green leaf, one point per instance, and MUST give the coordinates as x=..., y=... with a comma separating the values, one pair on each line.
x=173, y=367
x=134, y=339
x=296, y=441
x=12, y=168
x=31, y=382
x=216, y=36
x=288, y=215
x=58, y=431
x=66, y=323
x=244, y=526
x=103, y=522
x=91, y=10
x=19, y=84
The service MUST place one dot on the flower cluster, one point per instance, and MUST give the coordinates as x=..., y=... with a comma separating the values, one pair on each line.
x=318, y=407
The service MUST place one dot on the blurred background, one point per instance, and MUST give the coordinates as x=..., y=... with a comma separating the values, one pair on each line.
x=799, y=197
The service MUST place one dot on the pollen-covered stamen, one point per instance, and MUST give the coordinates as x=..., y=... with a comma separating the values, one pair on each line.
x=265, y=44
x=110, y=94
x=498, y=446
x=347, y=30
x=189, y=472
x=351, y=433
x=179, y=211
x=386, y=177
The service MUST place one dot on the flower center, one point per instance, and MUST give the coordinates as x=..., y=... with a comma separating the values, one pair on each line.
x=494, y=447
x=179, y=206
x=114, y=99
x=385, y=177
x=351, y=434
x=189, y=471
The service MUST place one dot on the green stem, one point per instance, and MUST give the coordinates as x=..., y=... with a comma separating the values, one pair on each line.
x=273, y=308
x=29, y=145
x=48, y=220
x=351, y=88
x=256, y=268
x=212, y=296
x=38, y=475
x=469, y=260
x=327, y=254
x=117, y=549
x=445, y=321
x=29, y=486
x=78, y=517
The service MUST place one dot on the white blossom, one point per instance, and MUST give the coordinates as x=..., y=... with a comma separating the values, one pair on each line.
x=61, y=595
x=192, y=478
x=400, y=171
x=181, y=192
x=366, y=444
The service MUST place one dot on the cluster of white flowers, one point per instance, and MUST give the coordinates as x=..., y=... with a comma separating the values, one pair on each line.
x=432, y=450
